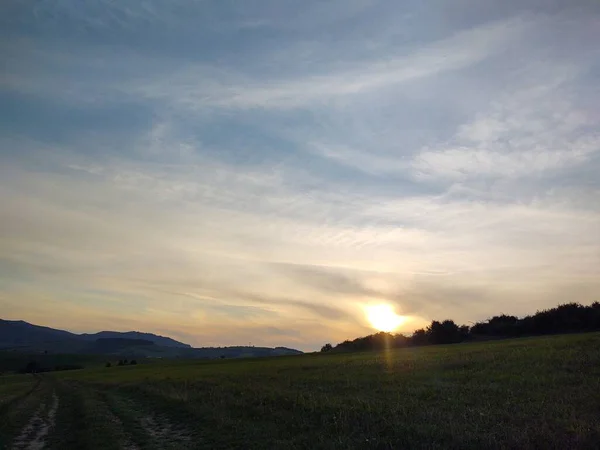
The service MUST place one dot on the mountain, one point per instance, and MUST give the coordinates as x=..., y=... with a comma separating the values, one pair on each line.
x=23, y=337
x=16, y=333
x=158, y=340
x=116, y=345
x=20, y=334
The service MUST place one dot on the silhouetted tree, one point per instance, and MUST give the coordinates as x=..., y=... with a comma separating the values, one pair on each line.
x=497, y=326
x=446, y=332
x=133, y=362
x=420, y=337
x=565, y=318
x=378, y=341
x=464, y=333
x=401, y=341
x=326, y=348
x=32, y=367
x=108, y=364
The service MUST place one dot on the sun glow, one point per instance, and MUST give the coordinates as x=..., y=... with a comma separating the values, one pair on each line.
x=383, y=317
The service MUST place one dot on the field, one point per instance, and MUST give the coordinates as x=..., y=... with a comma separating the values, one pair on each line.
x=537, y=393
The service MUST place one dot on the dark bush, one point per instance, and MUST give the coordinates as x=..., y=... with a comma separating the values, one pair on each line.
x=326, y=348
x=31, y=367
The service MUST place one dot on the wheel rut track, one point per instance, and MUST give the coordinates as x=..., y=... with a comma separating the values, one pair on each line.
x=15, y=401
x=158, y=430
x=34, y=434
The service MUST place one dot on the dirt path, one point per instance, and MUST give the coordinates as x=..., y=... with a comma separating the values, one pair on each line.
x=33, y=435
x=163, y=431
x=126, y=440
x=80, y=416
x=156, y=430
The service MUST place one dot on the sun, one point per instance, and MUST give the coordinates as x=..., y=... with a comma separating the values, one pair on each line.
x=383, y=317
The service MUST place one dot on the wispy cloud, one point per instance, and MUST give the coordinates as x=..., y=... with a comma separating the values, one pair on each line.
x=458, y=51
x=527, y=132
x=260, y=178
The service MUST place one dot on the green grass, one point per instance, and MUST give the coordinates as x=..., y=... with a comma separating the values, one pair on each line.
x=525, y=393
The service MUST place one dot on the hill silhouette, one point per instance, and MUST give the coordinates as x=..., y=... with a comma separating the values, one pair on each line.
x=18, y=333
x=155, y=339
x=26, y=338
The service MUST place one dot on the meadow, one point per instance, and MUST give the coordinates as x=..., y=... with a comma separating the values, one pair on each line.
x=529, y=393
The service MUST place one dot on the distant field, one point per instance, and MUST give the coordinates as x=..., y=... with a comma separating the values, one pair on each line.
x=11, y=361
x=540, y=393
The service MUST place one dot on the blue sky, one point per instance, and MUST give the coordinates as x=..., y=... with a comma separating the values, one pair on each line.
x=227, y=172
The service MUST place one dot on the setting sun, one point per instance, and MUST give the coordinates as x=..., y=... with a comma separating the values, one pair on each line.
x=383, y=317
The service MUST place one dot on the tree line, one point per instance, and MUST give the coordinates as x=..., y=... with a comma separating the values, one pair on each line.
x=565, y=318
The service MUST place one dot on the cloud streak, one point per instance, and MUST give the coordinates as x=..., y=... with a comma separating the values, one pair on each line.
x=267, y=186
x=458, y=51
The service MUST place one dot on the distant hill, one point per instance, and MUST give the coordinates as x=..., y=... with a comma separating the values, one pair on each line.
x=158, y=340
x=17, y=334
x=23, y=337
x=116, y=345
x=238, y=352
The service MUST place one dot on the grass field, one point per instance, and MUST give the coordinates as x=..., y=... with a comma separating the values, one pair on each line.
x=537, y=393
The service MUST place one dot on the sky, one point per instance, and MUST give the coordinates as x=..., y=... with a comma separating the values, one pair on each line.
x=232, y=172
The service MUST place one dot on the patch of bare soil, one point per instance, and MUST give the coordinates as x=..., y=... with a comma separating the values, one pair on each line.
x=162, y=430
x=126, y=442
x=33, y=435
